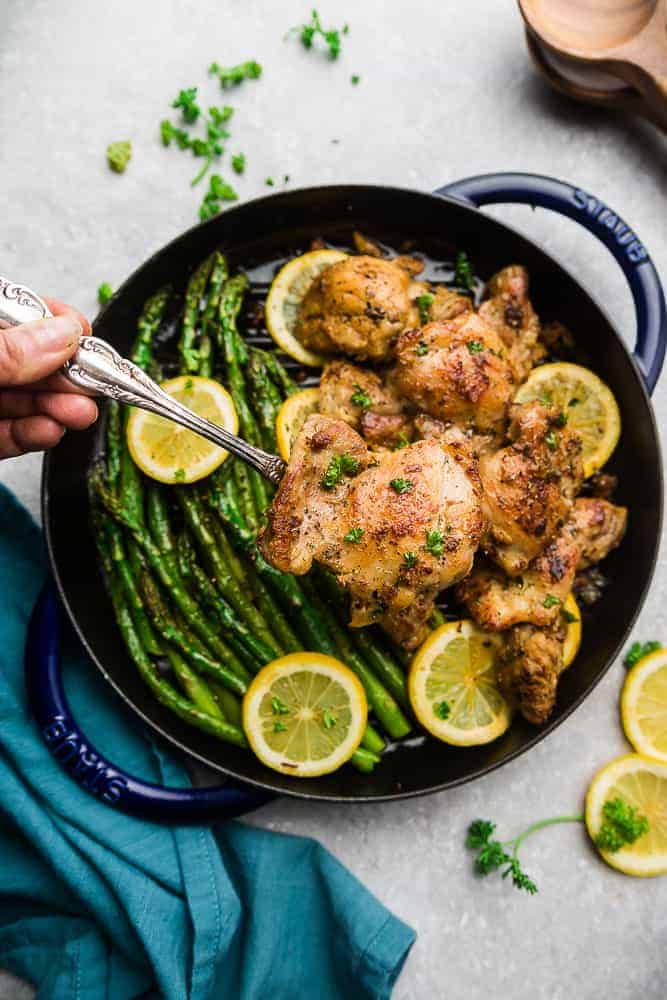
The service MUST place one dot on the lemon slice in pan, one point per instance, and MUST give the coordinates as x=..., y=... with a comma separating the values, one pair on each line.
x=285, y=296
x=291, y=417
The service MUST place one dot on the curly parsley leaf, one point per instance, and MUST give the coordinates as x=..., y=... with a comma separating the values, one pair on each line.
x=232, y=76
x=104, y=293
x=360, y=398
x=622, y=825
x=354, y=535
x=339, y=466
x=424, y=303
x=218, y=192
x=329, y=38
x=401, y=485
x=463, y=275
x=187, y=102
x=638, y=650
x=238, y=163
x=435, y=543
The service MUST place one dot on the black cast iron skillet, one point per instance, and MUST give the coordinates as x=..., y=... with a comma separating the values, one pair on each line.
x=263, y=230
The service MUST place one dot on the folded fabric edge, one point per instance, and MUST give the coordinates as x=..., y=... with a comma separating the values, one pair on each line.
x=381, y=962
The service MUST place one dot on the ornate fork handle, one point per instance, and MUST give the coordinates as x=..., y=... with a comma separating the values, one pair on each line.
x=100, y=370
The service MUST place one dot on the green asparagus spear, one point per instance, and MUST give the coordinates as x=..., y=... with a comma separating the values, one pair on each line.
x=114, y=444
x=228, y=702
x=193, y=296
x=161, y=688
x=147, y=327
x=193, y=686
x=133, y=598
x=196, y=653
x=279, y=374
x=227, y=585
x=265, y=399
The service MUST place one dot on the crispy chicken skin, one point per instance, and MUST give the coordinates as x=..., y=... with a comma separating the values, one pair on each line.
x=509, y=310
x=599, y=527
x=496, y=601
x=531, y=661
x=455, y=371
x=358, y=307
x=529, y=485
x=392, y=577
x=447, y=304
x=363, y=400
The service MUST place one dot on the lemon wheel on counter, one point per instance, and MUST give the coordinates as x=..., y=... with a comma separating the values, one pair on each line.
x=587, y=403
x=641, y=784
x=285, y=296
x=453, y=686
x=644, y=706
x=305, y=714
x=168, y=452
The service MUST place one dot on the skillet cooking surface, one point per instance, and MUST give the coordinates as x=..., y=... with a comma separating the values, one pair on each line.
x=276, y=226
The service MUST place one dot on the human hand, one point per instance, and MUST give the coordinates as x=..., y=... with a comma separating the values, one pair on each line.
x=37, y=405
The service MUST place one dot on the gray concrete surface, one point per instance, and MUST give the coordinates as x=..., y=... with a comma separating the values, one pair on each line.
x=446, y=90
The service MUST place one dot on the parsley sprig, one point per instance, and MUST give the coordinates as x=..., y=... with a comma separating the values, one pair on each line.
x=622, y=825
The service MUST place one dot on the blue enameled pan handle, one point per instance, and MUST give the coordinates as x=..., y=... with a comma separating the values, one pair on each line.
x=610, y=229
x=85, y=765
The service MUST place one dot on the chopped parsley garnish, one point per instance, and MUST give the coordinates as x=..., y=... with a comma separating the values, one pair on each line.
x=574, y=401
x=354, y=535
x=421, y=349
x=561, y=419
x=360, y=398
x=638, y=650
x=410, y=559
x=179, y=476
x=568, y=616
x=189, y=384
x=218, y=191
x=550, y=601
x=339, y=466
x=551, y=439
x=328, y=719
x=238, y=163
x=286, y=179
x=442, y=710
x=475, y=347
x=424, y=303
x=463, y=275
x=187, y=102
x=329, y=38
x=119, y=155
x=279, y=707
x=401, y=441
x=269, y=182
x=622, y=825
x=545, y=399
x=435, y=543
x=279, y=727
x=104, y=293
x=169, y=133
x=231, y=76
x=401, y=485
x=354, y=79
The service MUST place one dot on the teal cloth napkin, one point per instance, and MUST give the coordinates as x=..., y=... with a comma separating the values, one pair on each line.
x=96, y=905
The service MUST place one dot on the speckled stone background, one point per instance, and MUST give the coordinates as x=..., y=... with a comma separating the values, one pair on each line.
x=446, y=90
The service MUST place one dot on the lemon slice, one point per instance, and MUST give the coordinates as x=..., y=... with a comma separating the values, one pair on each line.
x=644, y=706
x=573, y=633
x=285, y=295
x=168, y=452
x=304, y=714
x=292, y=416
x=589, y=405
x=453, y=686
x=641, y=783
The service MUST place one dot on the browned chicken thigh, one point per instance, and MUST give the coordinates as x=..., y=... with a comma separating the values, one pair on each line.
x=529, y=485
x=509, y=310
x=396, y=531
x=358, y=306
x=456, y=371
x=363, y=400
x=530, y=664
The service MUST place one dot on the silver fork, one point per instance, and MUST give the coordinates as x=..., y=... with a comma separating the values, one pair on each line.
x=101, y=371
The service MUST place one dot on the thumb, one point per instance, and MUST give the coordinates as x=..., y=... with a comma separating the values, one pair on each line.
x=34, y=350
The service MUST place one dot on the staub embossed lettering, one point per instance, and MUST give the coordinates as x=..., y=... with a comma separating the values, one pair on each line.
x=623, y=235
x=81, y=762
